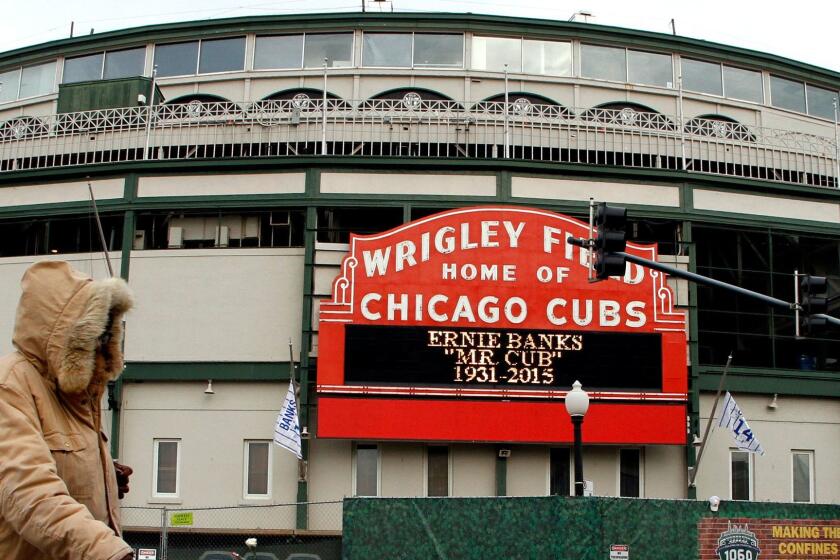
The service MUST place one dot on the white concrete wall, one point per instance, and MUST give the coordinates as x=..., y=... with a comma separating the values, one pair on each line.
x=473, y=470
x=408, y=183
x=52, y=193
x=776, y=207
x=797, y=423
x=212, y=430
x=621, y=193
x=215, y=305
x=225, y=184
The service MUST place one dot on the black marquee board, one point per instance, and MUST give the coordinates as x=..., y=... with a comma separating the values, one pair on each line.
x=431, y=356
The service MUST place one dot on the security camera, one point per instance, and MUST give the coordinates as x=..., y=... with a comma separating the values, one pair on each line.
x=714, y=503
x=251, y=543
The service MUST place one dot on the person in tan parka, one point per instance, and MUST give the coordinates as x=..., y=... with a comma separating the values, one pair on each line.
x=58, y=489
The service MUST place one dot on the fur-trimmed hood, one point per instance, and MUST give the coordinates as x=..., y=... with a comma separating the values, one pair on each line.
x=60, y=317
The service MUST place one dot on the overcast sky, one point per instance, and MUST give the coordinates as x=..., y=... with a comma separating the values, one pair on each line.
x=808, y=35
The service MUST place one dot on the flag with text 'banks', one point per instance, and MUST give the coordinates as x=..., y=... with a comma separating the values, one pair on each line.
x=733, y=419
x=287, y=427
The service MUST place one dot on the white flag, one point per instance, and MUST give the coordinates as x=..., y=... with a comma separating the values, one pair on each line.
x=287, y=427
x=731, y=417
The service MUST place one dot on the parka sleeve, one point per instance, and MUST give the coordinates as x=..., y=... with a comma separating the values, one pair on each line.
x=34, y=500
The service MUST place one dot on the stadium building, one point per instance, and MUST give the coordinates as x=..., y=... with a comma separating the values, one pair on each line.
x=231, y=160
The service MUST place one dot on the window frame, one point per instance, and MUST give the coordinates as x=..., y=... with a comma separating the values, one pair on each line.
x=641, y=451
x=750, y=475
x=811, y=475
x=521, y=39
x=627, y=66
x=762, y=101
x=302, y=36
x=449, y=470
x=156, y=463
x=353, y=63
x=681, y=76
x=355, y=468
x=571, y=471
x=808, y=87
x=804, y=85
x=246, y=466
x=412, y=63
x=198, y=56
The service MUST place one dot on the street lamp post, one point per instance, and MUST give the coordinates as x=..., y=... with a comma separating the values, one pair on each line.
x=577, y=403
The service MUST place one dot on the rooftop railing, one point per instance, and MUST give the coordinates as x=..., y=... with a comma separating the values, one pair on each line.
x=407, y=128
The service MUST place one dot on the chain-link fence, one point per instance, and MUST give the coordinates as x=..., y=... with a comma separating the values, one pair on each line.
x=296, y=531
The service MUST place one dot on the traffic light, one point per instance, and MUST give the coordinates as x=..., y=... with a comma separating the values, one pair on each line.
x=611, y=222
x=814, y=300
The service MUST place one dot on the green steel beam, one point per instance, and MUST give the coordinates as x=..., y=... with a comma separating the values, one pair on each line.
x=306, y=346
x=202, y=371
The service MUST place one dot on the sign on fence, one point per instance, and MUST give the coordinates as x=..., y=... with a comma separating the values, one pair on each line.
x=181, y=519
x=146, y=554
x=619, y=552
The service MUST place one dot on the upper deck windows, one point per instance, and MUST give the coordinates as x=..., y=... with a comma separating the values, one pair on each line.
x=303, y=51
x=522, y=55
x=742, y=84
x=413, y=50
x=200, y=57
x=29, y=81
x=105, y=65
x=625, y=65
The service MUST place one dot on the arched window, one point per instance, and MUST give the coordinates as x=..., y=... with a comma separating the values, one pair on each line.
x=303, y=99
x=523, y=104
x=412, y=99
x=719, y=126
x=198, y=105
x=624, y=113
x=20, y=128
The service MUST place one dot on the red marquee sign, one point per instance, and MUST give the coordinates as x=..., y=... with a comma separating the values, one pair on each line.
x=472, y=324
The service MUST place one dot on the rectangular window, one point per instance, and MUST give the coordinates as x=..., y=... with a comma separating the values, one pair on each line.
x=803, y=476
x=704, y=77
x=177, y=59
x=547, y=58
x=438, y=51
x=437, y=470
x=9, y=85
x=787, y=94
x=124, y=64
x=83, y=68
x=603, y=63
x=166, y=467
x=222, y=55
x=821, y=102
x=652, y=69
x=493, y=53
x=257, y=469
x=560, y=472
x=337, y=48
x=740, y=475
x=391, y=50
x=37, y=80
x=281, y=51
x=630, y=473
x=742, y=84
x=367, y=470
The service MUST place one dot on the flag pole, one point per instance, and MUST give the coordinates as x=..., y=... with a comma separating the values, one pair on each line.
x=101, y=232
x=292, y=370
x=693, y=470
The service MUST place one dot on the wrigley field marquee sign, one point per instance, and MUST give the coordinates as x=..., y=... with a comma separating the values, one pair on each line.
x=472, y=324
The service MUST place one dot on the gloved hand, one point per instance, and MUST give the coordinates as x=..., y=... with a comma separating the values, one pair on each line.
x=123, y=472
